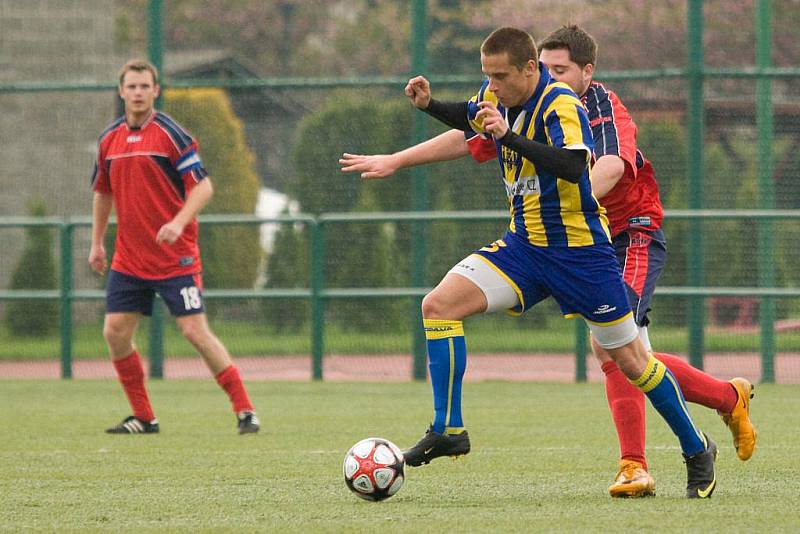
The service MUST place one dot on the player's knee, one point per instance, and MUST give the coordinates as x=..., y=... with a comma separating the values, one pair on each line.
x=115, y=334
x=195, y=332
x=434, y=307
x=600, y=353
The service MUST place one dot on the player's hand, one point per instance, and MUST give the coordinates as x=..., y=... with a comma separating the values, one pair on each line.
x=169, y=233
x=418, y=90
x=97, y=259
x=493, y=122
x=371, y=167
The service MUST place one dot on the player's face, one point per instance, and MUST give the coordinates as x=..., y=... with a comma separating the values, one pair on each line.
x=512, y=86
x=139, y=92
x=563, y=69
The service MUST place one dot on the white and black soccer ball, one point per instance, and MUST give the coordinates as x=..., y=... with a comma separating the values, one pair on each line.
x=374, y=469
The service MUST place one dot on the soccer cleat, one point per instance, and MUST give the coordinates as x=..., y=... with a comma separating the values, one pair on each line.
x=248, y=423
x=433, y=445
x=133, y=425
x=701, y=478
x=738, y=421
x=633, y=480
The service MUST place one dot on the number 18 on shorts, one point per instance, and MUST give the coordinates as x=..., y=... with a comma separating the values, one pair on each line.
x=128, y=294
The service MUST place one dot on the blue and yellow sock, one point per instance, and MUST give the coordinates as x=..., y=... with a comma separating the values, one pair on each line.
x=447, y=361
x=660, y=386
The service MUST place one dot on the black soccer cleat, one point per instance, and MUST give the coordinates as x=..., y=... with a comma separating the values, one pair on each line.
x=433, y=445
x=133, y=425
x=701, y=478
x=248, y=423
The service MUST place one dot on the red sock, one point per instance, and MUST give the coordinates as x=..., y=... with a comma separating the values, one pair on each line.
x=231, y=382
x=627, y=410
x=699, y=387
x=131, y=376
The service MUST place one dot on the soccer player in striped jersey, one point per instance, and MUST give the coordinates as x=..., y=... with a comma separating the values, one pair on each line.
x=148, y=170
x=558, y=243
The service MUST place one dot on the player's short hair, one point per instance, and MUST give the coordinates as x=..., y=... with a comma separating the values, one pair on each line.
x=581, y=46
x=138, y=65
x=519, y=46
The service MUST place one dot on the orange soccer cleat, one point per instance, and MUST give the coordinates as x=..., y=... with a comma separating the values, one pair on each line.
x=632, y=481
x=738, y=421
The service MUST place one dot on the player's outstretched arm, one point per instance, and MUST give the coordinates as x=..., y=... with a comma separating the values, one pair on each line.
x=197, y=198
x=606, y=172
x=101, y=211
x=444, y=147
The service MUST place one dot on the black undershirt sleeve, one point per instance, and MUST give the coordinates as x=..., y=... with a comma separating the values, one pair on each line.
x=453, y=114
x=562, y=162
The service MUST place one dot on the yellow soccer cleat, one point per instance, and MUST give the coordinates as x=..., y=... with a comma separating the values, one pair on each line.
x=738, y=421
x=632, y=481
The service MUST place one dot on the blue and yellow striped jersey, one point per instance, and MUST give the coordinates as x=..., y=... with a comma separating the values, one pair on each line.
x=547, y=210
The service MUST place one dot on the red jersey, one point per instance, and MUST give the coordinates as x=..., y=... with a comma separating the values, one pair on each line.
x=149, y=171
x=634, y=201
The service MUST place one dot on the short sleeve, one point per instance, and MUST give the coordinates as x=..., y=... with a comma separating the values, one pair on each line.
x=613, y=128
x=189, y=165
x=482, y=147
x=567, y=125
x=100, y=179
x=484, y=94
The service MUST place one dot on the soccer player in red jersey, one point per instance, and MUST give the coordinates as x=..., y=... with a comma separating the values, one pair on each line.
x=624, y=181
x=149, y=171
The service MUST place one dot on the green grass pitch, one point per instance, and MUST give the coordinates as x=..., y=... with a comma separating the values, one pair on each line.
x=543, y=456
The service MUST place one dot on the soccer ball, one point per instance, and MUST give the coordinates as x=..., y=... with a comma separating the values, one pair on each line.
x=374, y=469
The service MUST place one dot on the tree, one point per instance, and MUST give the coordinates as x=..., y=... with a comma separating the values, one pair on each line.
x=36, y=270
x=288, y=266
x=231, y=254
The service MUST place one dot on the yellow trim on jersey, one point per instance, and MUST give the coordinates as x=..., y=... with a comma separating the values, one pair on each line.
x=513, y=285
x=442, y=328
x=614, y=322
x=521, y=179
x=652, y=376
x=572, y=216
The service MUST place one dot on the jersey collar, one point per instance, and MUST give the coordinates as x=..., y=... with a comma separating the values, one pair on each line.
x=147, y=121
x=544, y=81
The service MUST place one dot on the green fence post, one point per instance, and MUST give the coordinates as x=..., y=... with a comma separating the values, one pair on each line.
x=419, y=196
x=766, y=187
x=157, y=340
x=581, y=344
x=65, y=231
x=317, y=231
x=155, y=40
x=696, y=112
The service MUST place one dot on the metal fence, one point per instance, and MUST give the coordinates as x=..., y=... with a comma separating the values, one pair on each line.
x=722, y=135
x=318, y=294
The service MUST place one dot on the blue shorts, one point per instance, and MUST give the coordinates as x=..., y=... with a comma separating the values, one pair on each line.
x=182, y=294
x=641, y=255
x=585, y=281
